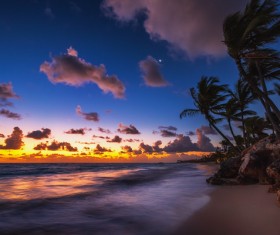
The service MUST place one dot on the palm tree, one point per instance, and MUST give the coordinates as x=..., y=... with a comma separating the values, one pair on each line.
x=243, y=97
x=256, y=127
x=277, y=88
x=208, y=99
x=246, y=34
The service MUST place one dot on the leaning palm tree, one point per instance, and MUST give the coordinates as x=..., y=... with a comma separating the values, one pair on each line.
x=209, y=98
x=246, y=34
x=243, y=97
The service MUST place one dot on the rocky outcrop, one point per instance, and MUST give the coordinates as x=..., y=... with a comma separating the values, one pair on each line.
x=258, y=164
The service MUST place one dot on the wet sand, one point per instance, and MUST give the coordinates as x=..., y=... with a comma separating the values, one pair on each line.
x=236, y=210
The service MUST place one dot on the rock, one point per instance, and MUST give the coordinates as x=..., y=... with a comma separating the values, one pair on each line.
x=251, y=166
x=273, y=171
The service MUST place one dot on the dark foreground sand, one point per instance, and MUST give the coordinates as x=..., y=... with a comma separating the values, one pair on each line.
x=236, y=210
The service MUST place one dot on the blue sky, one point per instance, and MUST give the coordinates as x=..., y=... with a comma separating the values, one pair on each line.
x=116, y=35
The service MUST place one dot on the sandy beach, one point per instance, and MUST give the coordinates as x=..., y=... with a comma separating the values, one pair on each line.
x=236, y=210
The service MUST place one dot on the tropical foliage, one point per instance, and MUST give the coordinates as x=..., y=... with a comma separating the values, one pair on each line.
x=248, y=36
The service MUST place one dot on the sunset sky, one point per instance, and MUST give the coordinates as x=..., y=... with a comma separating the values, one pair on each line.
x=105, y=81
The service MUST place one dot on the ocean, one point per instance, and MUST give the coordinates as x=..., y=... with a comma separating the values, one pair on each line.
x=102, y=199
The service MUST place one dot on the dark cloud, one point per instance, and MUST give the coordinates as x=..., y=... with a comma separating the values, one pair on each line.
x=116, y=139
x=100, y=137
x=157, y=146
x=6, y=92
x=41, y=146
x=2, y=135
x=100, y=150
x=180, y=144
x=9, y=114
x=191, y=26
x=102, y=130
x=127, y=149
x=166, y=133
x=190, y=133
x=55, y=146
x=14, y=141
x=73, y=71
x=80, y=131
x=207, y=130
x=132, y=130
x=132, y=140
x=87, y=116
x=151, y=73
x=203, y=142
x=169, y=128
x=145, y=148
x=38, y=135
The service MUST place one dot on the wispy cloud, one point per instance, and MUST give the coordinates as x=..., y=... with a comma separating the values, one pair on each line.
x=80, y=131
x=151, y=73
x=6, y=92
x=74, y=71
x=9, y=114
x=102, y=130
x=87, y=116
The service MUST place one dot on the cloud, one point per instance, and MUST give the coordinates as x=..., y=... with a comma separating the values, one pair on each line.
x=207, y=130
x=6, y=92
x=180, y=144
x=102, y=130
x=80, y=131
x=101, y=137
x=170, y=128
x=151, y=73
x=190, y=133
x=132, y=140
x=2, y=135
x=14, y=141
x=100, y=150
x=74, y=71
x=116, y=139
x=87, y=116
x=166, y=133
x=203, y=142
x=9, y=114
x=55, y=146
x=127, y=149
x=191, y=26
x=38, y=135
x=132, y=130
x=145, y=148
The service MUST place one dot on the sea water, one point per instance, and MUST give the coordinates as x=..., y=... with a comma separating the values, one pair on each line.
x=117, y=199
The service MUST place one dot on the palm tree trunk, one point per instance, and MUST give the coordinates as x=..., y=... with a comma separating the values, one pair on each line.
x=232, y=133
x=265, y=100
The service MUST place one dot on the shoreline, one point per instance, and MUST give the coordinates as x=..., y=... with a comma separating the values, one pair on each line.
x=235, y=210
